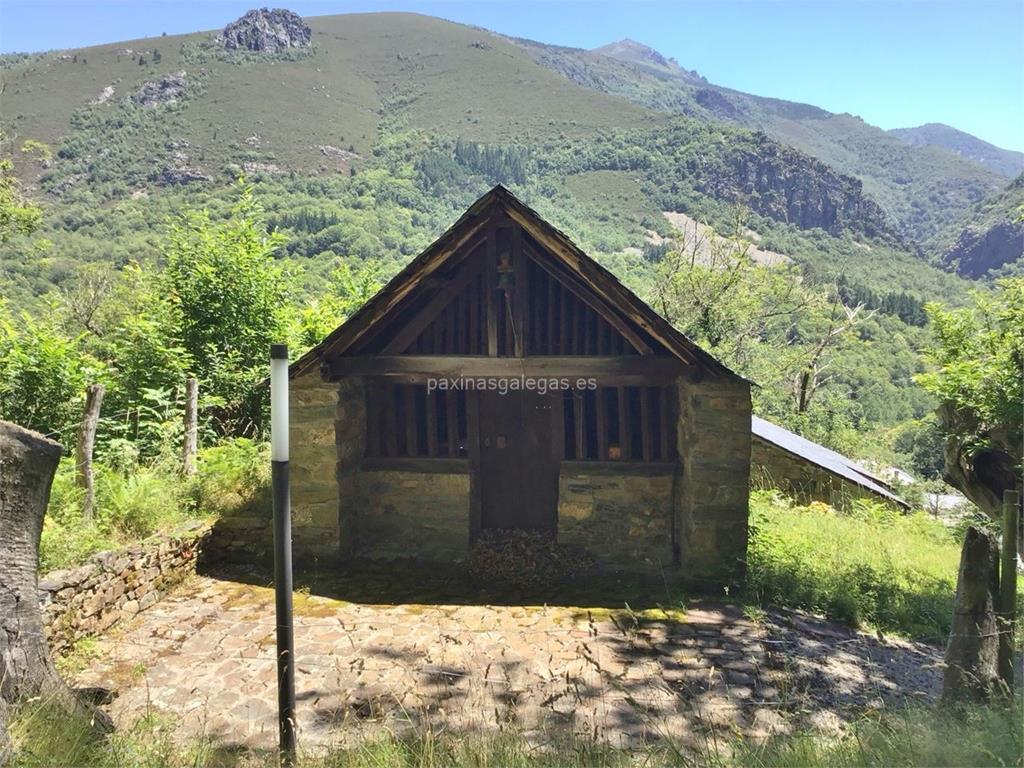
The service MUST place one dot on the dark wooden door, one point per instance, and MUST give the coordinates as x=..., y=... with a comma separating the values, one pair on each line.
x=518, y=467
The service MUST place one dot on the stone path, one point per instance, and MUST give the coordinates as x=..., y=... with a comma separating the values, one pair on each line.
x=205, y=657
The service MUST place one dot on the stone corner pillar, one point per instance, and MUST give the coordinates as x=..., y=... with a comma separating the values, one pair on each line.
x=350, y=442
x=711, y=500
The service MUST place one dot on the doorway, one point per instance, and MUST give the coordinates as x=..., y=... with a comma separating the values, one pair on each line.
x=518, y=466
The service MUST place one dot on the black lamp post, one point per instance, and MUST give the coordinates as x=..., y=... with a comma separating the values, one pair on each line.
x=282, y=552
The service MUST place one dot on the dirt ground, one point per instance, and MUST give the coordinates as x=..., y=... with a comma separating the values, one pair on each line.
x=381, y=652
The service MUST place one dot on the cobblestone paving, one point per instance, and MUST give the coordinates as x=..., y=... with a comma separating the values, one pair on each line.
x=205, y=657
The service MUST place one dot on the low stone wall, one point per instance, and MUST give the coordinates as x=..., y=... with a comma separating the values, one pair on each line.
x=112, y=586
x=413, y=515
x=772, y=467
x=624, y=521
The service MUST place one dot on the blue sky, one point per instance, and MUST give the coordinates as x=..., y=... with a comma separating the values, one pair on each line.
x=894, y=64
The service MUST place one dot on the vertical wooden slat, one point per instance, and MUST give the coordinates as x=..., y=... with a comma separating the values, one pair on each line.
x=576, y=309
x=577, y=424
x=563, y=322
x=411, y=438
x=373, y=419
x=625, y=441
x=521, y=330
x=585, y=431
x=452, y=420
x=462, y=320
x=390, y=419
x=558, y=426
x=666, y=429
x=646, y=438
x=474, y=317
x=588, y=331
x=438, y=334
x=601, y=398
x=550, y=292
x=490, y=295
x=473, y=447
x=431, y=418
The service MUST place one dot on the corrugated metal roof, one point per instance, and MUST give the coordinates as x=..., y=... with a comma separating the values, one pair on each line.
x=825, y=458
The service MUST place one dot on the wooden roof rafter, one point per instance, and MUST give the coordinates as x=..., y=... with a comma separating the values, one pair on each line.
x=562, y=259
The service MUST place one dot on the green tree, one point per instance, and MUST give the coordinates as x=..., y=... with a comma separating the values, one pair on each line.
x=18, y=216
x=42, y=373
x=232, y=298
x=978, y=378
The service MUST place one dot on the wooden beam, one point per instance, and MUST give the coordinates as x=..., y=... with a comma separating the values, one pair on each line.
x=490, y=288
x=593, y=300
x=433, y=309
x=409, y=411
x=431, y=417
x=519, y=296
x=452, y=420
x=602, y=424
x=473, y=448
x=441, y=465
x=633, y=370
x=666, y=424
x=625, y=436
x=647, y=439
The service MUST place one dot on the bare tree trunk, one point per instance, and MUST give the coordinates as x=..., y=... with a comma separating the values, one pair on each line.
x=83, y=449
x=1008, y=587
x=27, y=464
x=188, y=458
x=973, y=650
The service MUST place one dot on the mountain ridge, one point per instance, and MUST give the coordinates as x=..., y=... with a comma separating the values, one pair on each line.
x=1006, y=162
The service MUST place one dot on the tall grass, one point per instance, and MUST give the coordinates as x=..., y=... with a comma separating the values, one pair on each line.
x=136, y=501
x=976, y=736
x=870, y=565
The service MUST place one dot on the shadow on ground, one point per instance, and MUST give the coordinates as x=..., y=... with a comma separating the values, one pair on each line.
x=410, y=582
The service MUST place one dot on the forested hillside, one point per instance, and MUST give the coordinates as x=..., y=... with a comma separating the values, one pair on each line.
x=389, y=125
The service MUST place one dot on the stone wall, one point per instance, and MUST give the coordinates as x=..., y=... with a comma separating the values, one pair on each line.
x=773, y=467
x=113, y=586
x=623, y=520
x=413, y=515
x=313, y=407
x=712, y=492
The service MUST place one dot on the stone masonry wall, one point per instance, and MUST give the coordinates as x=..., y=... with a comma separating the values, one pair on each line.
x=712, y=493
x=624, y=521
x=113, y=586
x=313, y=458
x=413, y=515
x=772, y=467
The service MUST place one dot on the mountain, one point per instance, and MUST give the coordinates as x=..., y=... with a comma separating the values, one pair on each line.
x=396, y=121
x=1005, y=162
x=644, y=56
x=990, y=239
x=921, y=188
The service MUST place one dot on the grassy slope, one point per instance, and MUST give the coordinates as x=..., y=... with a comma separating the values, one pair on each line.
x=424, y=68
x=418, y=72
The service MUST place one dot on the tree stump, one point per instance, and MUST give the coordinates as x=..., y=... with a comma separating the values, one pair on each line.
x=972, y=655
x=27, y=465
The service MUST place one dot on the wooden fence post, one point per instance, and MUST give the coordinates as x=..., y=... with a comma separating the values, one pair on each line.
x=84, y=446
x=188, y=458
x=1008, y=587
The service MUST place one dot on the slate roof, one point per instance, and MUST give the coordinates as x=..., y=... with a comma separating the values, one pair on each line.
x=823, y=457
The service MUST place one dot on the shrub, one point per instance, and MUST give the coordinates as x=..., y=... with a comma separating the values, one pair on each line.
x=232, y=476
x=869, y=566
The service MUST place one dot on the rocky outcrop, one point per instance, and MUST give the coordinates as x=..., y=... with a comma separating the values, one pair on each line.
x=167, y=90
x=267, y=31
x=784, y=184
x=173, y=176
x=977, y=252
